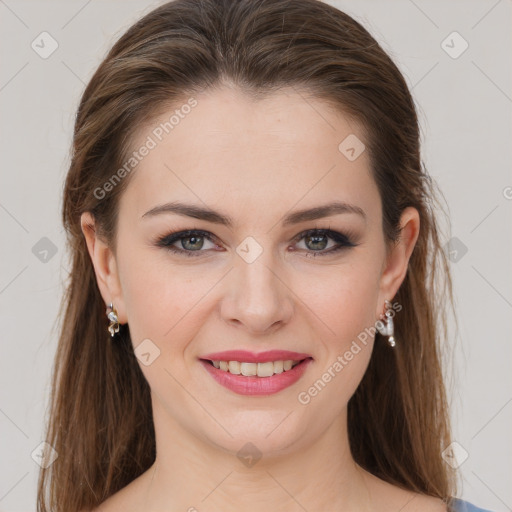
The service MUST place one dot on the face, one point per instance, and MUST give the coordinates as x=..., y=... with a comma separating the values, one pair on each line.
x=255, y=275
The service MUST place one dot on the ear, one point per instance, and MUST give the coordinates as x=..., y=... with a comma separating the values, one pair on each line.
x=397, y=261
x=105, y=266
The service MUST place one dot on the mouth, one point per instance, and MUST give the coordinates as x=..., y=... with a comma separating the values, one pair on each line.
x=261, y=370
x=256, y=378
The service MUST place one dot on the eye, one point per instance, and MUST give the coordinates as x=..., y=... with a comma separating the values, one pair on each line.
x=316, y=241
x=191, y=241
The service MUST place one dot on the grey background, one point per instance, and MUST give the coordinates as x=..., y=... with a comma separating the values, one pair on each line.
x=465, y=105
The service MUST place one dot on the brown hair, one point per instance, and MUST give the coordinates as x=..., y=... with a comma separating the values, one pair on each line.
x=100, y=420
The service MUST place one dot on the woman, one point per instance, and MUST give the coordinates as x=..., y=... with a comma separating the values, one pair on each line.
x=255, y=306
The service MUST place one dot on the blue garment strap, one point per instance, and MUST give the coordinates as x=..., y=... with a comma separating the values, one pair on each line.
x=464, y=506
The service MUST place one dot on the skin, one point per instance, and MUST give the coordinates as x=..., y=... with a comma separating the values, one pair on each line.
x=254, y=161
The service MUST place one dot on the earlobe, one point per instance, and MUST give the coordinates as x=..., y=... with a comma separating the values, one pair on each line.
x=398, y=259
x=105, y=267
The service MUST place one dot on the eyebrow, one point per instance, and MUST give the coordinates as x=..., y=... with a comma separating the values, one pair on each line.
x=207, y=214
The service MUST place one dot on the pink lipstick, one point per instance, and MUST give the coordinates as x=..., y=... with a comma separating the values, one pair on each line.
x=254, y=384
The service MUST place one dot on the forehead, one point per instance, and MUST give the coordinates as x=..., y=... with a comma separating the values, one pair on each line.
x=264, y=155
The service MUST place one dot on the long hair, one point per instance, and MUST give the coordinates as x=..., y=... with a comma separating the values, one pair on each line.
x=100, y=418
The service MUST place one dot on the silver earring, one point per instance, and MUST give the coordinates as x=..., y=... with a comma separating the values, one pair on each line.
x=114, y=322
x=388, y=328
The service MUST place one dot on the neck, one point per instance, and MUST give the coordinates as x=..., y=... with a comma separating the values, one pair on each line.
x=192, y=474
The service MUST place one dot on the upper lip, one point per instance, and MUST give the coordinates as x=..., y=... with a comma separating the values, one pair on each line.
x=252, y=357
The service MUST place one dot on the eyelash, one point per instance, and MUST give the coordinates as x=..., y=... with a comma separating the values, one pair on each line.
x=343, y=241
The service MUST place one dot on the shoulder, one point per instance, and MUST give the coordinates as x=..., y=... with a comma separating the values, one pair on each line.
x=423, y=503
x=127, y=499
x=392, y=497
x=460, y=505
x=118, y=502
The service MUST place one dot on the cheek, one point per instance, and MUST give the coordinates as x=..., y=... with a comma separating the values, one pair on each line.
x=346, y=346
x=344, y=307
x=343, y=299
x=162, y=300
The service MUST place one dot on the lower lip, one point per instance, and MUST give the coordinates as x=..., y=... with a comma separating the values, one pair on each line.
x=257, y=385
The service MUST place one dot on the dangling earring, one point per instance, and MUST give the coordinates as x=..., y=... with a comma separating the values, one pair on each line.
x=387, y=329
x=114, y=322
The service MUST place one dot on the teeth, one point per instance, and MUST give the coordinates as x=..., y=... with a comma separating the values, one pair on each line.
x=252, y=369
x=234, y=367
x=266, y=369
x=278, y=366
x=248, y=369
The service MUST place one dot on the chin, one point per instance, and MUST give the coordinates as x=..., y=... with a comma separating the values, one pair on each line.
x=268, y=433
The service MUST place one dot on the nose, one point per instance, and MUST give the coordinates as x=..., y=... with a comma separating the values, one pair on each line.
x=258, y=298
